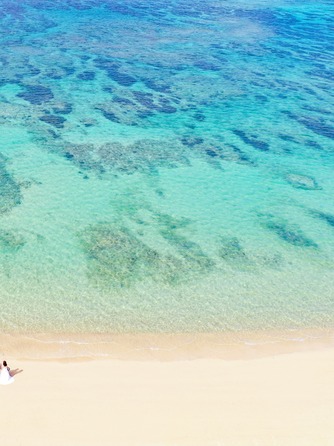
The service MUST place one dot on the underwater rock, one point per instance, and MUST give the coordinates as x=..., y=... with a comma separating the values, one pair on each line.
x=69, y=155
x=112, y=70
x=109, y=89
x=170, y=222
x=116, y=255
x=300, y=181
x=53, y=134
x=322, y=111
x=199, y=117
x=231, y=250
x=121, y=78
x=313, y=144
x=166, y=109
x=154, y=85
x=36, y=94
x=207, y=66
x=193, y=258
x=111, y=116
x=191, y=141
x=133, y=107
x=10, y=191
x=144, y=114
x=252, y=141
x=144, y=98
x=143, y=155
x=120, y=100
x=233, y=153
x=11, y=241
x=287, y=138
x=56, y=121
x=216, y=151
x=69, y=70
x=56, y=73
x=63, y=108
x=270, y=260
x=117, y=258
x=33, y=71
x=328, y=218
x=318, y=126
x=88, y=122
x=120, y=113
x=212, y=153
x=86, y=76
x=290, y=234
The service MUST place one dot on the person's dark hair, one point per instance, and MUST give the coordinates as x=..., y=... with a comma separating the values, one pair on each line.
x=5, y=363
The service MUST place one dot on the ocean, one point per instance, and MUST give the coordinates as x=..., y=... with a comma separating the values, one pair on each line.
x=166, y=166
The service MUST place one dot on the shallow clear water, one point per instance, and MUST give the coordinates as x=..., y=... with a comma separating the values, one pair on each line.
x=166, y=166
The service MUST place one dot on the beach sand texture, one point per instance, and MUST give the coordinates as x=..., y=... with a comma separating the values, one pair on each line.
x=285, y=399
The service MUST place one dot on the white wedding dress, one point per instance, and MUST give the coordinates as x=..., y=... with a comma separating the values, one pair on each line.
x=5, y=377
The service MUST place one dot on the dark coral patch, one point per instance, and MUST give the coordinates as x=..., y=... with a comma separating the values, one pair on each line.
x=63, y=109
x=300, y=181
x=212, y=153
x=10, y=193
x=199, y=117
x=69, y=70
x=56, y=121
x=118, y=258
x=252, y=141
x=36, y=94
x=111, y=116
x=11, y=242
x=290, y=234
x=318, y=126
x=112, y=69
x=207, y=66
x=86, y=76
x=191, y=141
x=121, y=100
x=122, y=79
x=231, y=251
x=143, y=98
x=328, y=218
x=166, y=109
x=288, y=138
x=158, y=86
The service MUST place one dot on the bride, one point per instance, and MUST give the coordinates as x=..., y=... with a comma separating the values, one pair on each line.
x=6, y=375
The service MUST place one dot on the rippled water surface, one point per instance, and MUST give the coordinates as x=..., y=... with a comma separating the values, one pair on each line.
x=166, y=165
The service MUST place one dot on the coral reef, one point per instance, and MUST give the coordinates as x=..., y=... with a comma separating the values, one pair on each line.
x=328, y=218
x=11, y=242
x=143, y=155
x=117, y=258
x=36, y=94
x=231, y=250
x=291, y=234
x=252, y=140
x=300, y=181
x=10, y=192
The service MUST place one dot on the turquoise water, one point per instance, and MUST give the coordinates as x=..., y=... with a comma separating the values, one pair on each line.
x=166, y=166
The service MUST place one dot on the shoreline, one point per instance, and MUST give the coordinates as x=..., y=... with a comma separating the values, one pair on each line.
x=261, y=388
x=162, y=346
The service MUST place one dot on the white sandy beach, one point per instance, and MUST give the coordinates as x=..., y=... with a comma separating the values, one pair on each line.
x=285, y=399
